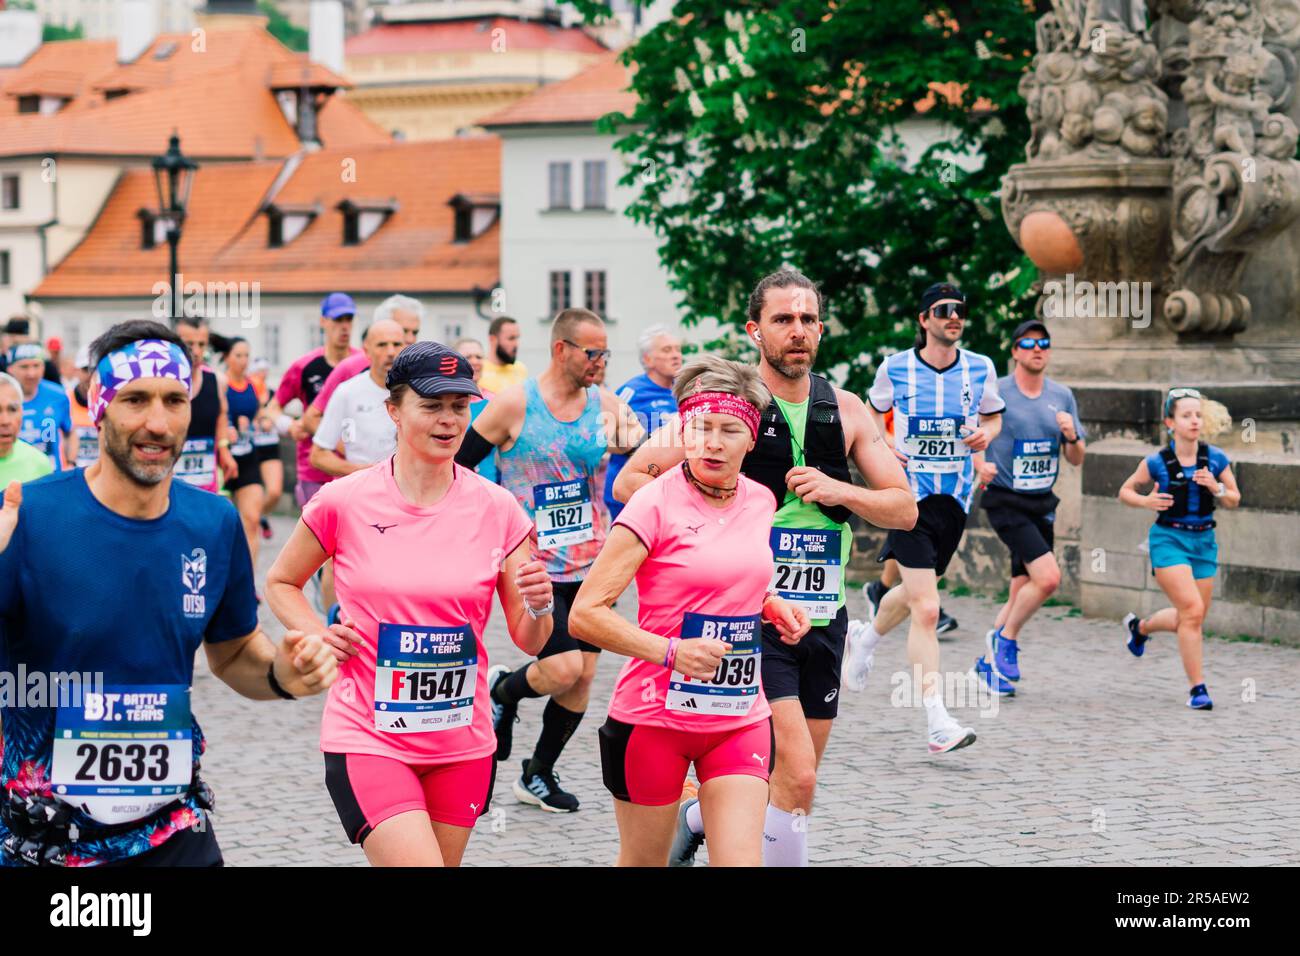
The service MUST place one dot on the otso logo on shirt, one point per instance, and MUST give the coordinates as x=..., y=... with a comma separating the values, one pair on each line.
x=194, y=575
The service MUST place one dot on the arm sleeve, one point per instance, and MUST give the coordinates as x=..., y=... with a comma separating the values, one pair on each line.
x=330, y=429
x=321, y=516
x=643, y=514
x=991, y=401
x=236, y=615
x=473, y=449
x=881, y=395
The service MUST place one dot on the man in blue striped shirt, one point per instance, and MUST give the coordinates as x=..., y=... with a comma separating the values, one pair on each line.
x=946, y=408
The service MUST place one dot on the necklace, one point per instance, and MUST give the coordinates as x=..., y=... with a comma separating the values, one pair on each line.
x=709, y=490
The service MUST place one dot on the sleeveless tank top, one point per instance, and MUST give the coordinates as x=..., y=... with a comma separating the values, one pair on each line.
x=551, y=471
x=242, y=403
x=198, y=462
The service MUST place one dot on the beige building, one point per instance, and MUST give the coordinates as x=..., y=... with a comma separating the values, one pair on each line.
x=429, y=70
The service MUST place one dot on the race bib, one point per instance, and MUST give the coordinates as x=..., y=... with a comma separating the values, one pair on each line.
x=734, y=686
x=933, y=445
x=243, y=445
x=562, y=513
x=807, y=569
x=425, y=678
x=198, y=462
x=1034, y=466
x=123, y=753
x=261, y=439
x=87, y=439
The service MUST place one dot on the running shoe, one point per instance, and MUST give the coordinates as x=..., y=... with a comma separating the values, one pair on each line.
x=1200, y=699
x=858, y=661
x=946, y=623
x=504, y=716
x=873, y=592
x=1003, y=655
x=1136, y=640
x=543, y=790
x=686, y=842
x=950, y=735
x=266, y=528
x=993, y=680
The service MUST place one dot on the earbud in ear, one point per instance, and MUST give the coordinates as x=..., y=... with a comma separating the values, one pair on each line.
x=758, y=336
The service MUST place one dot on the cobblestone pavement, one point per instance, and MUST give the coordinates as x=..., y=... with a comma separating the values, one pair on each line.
x=1096, y=761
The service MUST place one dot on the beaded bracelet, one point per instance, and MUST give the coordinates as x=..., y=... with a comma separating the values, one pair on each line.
x=670, y=658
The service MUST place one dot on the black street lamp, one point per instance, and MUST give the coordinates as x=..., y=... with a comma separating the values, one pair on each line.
x=174, y=176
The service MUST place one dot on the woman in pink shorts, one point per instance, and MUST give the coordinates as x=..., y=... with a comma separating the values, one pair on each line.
x=419, y=545
x=696, y=540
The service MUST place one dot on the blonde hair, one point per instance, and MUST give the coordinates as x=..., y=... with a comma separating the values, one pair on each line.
x=1215, y=419
x=712, y=373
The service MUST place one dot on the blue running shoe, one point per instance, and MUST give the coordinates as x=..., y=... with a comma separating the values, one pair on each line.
x=1004, y=655
x=1200, y=699
x=992, y=680
x=504, y=716
x=332, y=615
x=1137, y=641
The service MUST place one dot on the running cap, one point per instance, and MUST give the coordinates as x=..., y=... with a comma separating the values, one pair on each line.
x=145, y=358
x=938, y=292
x=54, y=344
x=431, y=368
x=1171, y=399
x=25, y=351
x=337, y=304
x=719, y=403
x=1029, y=325
x=18, y=326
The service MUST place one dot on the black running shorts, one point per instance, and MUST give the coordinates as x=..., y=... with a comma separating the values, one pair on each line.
x=561, y=640
x=1025, y=523
x=808, y=671
x=940, y=523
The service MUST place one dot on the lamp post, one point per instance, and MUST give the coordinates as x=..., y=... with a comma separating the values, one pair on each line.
x=174, y=176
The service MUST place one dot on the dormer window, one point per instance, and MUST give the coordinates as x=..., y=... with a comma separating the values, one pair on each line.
x=361, y=218
x=41, y=103
x=474, y=214
x=286, y=223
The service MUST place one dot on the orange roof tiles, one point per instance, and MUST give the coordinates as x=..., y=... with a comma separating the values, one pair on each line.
x=584, y=98
x=226, y=235
x=469, y=35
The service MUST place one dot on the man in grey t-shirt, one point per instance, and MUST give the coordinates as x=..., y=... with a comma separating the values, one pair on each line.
x=1040, y=422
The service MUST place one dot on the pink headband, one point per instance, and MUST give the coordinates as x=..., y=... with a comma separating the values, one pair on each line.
x=719, y=403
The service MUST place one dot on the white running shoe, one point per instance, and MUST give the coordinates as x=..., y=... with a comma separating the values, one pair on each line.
x=950, y=735
x=858, y=661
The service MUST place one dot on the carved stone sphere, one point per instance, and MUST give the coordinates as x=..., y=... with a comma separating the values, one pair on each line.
x=1107, y=124
x=1050, y=242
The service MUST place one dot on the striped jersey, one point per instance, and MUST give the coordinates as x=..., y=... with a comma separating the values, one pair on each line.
x=931, y=409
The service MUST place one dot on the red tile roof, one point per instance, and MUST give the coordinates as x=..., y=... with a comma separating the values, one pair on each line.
x=584, y=98
x=469, y=35
x=226, y=240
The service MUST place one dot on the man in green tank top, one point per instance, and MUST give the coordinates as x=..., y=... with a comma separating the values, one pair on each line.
x=805, y=441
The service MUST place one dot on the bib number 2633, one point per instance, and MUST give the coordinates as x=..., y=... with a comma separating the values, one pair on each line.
x=425, y=678
x=734, y=686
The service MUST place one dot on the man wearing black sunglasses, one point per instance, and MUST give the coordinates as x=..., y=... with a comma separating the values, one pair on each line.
x=1040, y=423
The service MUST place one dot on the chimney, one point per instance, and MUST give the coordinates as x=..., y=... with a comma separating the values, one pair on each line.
x=325, y=34
x=136, y=25
x=20, y=36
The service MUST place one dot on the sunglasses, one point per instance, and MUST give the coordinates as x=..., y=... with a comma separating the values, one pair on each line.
x=1033, y=343
x=948, y=310
x=593, y=355
x=1175, y=394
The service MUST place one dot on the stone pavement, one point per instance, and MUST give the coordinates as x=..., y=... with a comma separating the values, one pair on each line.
x=1096, y=761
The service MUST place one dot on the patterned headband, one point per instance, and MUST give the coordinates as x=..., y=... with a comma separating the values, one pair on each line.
x=24, y=351
x=722, y=403
x=147, y=358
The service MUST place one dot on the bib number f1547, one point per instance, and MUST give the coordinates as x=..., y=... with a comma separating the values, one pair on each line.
x=734, y=686
x=123, y=752
x=934, y=446
x=1034, y=466
x=425, y=678
x=562, y=513
x=807, y=569
x=198, y=462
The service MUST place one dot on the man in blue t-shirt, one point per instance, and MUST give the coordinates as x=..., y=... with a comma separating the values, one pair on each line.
x=111, y=577
x=649, y=395
x=1040, y=423
x=47, y=414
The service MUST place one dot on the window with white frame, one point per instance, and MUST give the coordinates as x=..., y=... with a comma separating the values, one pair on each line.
x=9, y=194
x=594, y=291
x=558, y=190
x=593, y=184
x=560, y=292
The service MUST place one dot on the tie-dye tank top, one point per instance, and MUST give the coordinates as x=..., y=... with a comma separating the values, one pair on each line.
x=551, y=471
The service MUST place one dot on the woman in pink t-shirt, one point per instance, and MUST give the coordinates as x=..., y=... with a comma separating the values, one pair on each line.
x=696, y=540
x=419, y=545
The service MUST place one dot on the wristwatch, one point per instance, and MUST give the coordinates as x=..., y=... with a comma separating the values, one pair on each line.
x=1070, y=441
x=1220, y=491
x=542, y=612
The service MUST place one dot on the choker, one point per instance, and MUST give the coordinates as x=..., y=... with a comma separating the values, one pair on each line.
x=708, y=490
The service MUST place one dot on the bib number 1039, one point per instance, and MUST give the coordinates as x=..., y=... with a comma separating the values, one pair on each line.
x=734, y=686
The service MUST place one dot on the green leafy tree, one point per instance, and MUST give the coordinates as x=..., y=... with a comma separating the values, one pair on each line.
x=770, y=133
x=280, y=27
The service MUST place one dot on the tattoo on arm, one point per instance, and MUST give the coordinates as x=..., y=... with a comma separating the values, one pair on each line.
x=652, y=470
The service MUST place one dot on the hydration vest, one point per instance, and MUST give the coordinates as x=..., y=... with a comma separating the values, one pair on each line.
x=1181, y=491
x=823, y=446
